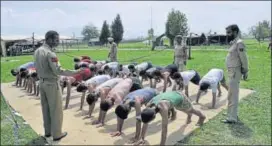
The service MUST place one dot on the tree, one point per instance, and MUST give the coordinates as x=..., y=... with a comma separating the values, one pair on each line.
x=261, y=30
x=117, y=29
x=89, y=31
x=202, y=38
x=105, y=33
x=150, y=35
x=176, y=24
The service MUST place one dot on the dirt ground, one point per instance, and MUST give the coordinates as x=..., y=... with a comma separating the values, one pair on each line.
x=81, y=132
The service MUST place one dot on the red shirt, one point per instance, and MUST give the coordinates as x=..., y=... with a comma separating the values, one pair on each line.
x=86, y=60
x=84, y=74
x=85, y=57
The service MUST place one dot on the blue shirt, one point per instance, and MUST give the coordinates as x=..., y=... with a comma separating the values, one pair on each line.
x=146, y=94
x=27, y=65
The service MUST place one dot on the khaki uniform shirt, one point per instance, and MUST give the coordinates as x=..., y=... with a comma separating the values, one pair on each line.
x=113, y=51
x=237, y=56
x=181, y=52
x=47, y=64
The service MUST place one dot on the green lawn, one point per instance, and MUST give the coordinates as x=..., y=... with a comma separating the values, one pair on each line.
x=254, y=111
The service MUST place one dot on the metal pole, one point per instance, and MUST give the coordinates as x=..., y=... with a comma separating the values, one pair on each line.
x=190, y=46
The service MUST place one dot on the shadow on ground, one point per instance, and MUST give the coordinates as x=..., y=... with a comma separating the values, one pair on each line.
x=240, y=130
x=38, y=141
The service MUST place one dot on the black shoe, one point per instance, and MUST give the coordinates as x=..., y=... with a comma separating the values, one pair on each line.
x=47, y=135
x=228, y=122
x=62, y=136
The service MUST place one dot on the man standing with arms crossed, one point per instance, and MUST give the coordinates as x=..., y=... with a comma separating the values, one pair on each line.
x=113, y=50
x=237, y=66
x=180, y=54
x=49, y=69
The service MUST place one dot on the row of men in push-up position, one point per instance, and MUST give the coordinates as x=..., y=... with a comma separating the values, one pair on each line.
x=116, y=84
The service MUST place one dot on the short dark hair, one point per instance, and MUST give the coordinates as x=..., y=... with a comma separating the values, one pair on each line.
x=91, y=98
x=100, y=72
x=24, y=74
x=148, y=115
x=13, y=72
x=120, y=67
x=106, y=67
x=142, y=72
x=92, y=68
x=76, y=59
x=157, y=72
x=83, y=65
x=81, y=88
x=122, y=111
x=176, y=75
x=76, y=67
x=22, y=69
x=105, y=105
x=204, y=86
x=64, y=84
x=233, y=27
x=131, y=66
x=51, y=34
x=34, y=74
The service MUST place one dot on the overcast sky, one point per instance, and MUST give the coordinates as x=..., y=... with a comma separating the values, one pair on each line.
x=25, y=17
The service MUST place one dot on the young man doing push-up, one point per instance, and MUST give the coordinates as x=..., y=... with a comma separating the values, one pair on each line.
x=134, y=99
x=116, y=96
x=165, y=74
x=183, y=78
x=101, y=91
x=90, y=85
x=211, y=80
x=164, y=103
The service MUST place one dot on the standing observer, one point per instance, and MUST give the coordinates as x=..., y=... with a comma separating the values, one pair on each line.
x=113, y=50
x=49, y=69
x=237, y=66
x=180, y=55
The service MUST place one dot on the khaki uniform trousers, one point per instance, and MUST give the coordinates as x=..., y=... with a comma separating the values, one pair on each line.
x=180, y=63
x=113, y=58
x=51, y=101
x=235, y=75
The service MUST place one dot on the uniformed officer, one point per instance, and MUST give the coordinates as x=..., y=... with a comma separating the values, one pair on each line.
x=49, y=69
x=113, y=50
x=237, y=65
x=180, y=55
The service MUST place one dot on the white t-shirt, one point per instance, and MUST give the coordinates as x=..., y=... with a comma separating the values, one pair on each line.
x=125, y=70
x=98, y=80
x=112, y=65
x=109, y=83
x=214, y=76
x=141, y=66
x=187, y=76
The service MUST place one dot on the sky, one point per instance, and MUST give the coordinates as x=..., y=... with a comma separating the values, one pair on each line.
x=68, y=17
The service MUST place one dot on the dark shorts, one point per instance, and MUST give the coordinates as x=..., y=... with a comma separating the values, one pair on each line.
x=172, y=68
x=196, y=78
x=149, y=65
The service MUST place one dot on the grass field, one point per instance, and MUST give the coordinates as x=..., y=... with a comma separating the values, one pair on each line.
x=254, y=111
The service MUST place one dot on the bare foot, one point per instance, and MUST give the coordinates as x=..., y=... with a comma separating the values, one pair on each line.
x=117, y=133
x=140, y=142
x=132, y=140
x=95, y=122
x=200, y=121
x=99, y=125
